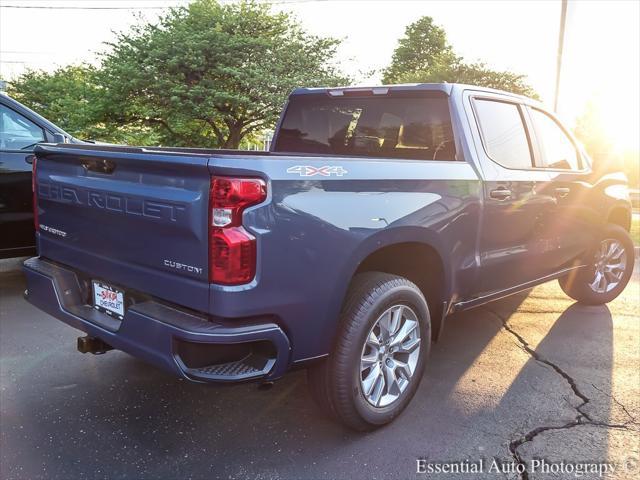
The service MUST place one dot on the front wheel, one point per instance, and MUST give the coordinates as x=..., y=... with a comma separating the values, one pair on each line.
x=608, y=271
x=379, y=354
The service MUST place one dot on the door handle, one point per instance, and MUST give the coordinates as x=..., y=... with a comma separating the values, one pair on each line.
x=500, y=193
x=562, y=192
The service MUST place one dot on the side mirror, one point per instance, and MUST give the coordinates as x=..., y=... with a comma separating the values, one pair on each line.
x=59, y=138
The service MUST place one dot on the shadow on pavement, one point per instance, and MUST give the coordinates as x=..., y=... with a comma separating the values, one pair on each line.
x=65, y=415
x=578, y=350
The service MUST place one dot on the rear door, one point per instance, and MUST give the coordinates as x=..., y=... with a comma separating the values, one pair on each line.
x=516, y=244
x=127, y=217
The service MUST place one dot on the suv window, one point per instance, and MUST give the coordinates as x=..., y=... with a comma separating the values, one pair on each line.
x=557, y=150
x=16, y=131
x=394, y=125
x=503, y=133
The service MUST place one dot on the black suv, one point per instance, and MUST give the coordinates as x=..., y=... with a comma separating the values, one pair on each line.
x=21, y=129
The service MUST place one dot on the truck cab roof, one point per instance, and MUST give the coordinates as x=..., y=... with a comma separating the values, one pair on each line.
x=377, y=89
x=445, y=88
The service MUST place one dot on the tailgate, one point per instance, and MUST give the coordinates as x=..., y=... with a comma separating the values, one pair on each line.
x=134, y=218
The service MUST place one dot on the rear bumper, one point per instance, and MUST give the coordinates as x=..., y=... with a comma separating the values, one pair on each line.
x=176, y=340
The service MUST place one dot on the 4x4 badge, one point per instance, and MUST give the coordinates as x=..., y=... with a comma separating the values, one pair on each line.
x=324, y=171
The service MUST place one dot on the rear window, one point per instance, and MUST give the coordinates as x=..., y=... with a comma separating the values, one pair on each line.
x=411, y=127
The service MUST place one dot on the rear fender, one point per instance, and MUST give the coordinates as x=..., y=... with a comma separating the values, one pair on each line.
x=380, y=240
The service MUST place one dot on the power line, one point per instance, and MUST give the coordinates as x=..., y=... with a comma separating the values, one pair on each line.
x=26, y=52
x=154, y=7
x=62, y=7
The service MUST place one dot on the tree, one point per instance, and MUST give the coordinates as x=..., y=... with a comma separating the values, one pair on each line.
x=424, y=47
x=67, y=97
x=473, y=74
x=210, y=74
x=423, y=55
x=72, y=98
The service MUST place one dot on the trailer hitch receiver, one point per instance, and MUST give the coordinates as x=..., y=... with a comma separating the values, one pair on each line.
x=93, y=345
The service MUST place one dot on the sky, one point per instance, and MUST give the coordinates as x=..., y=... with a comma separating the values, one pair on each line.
x=601, y=61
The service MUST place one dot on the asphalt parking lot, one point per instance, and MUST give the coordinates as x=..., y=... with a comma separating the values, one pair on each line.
x=534, y=376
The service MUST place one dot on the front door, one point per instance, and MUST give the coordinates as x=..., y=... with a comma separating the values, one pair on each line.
x=573, y=220
x=18, y=136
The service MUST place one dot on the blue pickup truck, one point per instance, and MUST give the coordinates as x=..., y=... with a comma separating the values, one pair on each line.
x=377, y=213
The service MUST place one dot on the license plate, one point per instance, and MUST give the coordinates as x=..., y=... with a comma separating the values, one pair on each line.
x=108, y=299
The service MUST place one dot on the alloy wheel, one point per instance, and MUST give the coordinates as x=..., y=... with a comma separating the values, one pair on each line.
x=390, y=355
x=610, y=265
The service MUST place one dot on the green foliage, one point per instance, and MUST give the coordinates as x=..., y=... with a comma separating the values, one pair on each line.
x=72, y=98
x=635, y=230
x=473, y=74
x=67, y=97
x=423, y=55
x=423, y=48
x=205, y=75
x=210, y=74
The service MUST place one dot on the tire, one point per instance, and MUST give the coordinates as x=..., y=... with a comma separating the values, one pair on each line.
x=338, y=384
x=581, y=284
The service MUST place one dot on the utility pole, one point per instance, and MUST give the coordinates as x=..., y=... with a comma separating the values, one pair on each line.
x=563, y=21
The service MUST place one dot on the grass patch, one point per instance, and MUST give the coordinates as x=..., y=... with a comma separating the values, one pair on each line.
x=635, y=229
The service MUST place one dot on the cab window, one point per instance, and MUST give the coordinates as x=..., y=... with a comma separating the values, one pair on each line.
x=405, y=126
x=503, y=133
x=557, y=151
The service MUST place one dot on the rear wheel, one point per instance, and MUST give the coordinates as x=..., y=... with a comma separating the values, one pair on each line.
x=609, y=269
x=379, y=355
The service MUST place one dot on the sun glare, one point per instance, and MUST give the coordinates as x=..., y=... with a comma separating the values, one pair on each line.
x=621, y=124
x=603, y=69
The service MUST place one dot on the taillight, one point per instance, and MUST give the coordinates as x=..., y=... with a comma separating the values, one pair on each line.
x=232, y=250
x=34, y=189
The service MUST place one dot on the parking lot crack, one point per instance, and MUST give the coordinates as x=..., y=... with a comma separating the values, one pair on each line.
x=617, y=402
x=530, y=436
x=582, y=418
x=539, y=358
x=515, y=444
